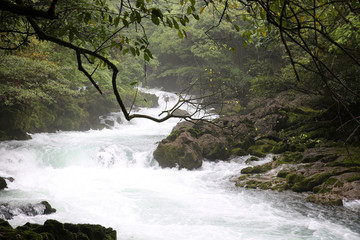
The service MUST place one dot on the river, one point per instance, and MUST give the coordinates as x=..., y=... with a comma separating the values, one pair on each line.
x=109, y=177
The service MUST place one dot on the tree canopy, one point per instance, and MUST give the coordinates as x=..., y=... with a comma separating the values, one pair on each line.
x=317, y=36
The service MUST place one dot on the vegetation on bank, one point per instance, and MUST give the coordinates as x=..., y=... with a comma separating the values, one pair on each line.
x=42, y=91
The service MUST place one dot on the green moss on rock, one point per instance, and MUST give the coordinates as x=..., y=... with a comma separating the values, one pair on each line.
x=256, y=169
x=238, y=152
x=307, y=184
x=54, y=230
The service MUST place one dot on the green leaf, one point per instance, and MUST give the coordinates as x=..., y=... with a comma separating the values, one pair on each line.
x=138, y=17
x=196, y=16
x=71, y=35
x=133, y=51
x=125, y=22
x=227, y=17
x=168, y=21
x=237, y=27
x=157, y=12
x=133, y=83
x=125, y=51
x=116, y=21
x=180, y=34
x=176, y=25
x=146, y=57
x=182, y=21
x=189, y=10
x=155, y=20
x=185, y=34
x=87, y=17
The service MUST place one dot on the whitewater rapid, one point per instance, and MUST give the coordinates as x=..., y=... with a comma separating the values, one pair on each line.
x=109, y=177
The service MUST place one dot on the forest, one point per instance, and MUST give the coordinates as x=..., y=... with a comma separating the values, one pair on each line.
x=225, y=51
x=270, y=78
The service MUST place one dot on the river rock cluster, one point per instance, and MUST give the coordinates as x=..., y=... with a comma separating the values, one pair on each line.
x=51, y=229
x=310, y=156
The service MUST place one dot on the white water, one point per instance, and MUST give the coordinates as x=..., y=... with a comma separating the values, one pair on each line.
x=109, y=177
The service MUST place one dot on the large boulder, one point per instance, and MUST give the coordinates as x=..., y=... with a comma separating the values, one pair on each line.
x=183, y=152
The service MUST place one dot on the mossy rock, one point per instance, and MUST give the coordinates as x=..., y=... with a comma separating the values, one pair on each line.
x=328, y=185
x=307, y=184
x=252, y=159
x=290, y=157
x=238, y=152
x=282, y=174
x=219, y=151
x=353, y=178
x=54, y=230
x=293, y=178
x=178, y=155
x=256, y=169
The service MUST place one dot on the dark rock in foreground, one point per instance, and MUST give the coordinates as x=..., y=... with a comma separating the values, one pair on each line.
x=3, y=183
x=54, y=230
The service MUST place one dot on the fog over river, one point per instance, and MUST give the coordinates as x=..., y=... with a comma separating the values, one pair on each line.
x=109, y=177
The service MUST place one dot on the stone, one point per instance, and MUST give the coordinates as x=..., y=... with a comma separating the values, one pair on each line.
x=3, y=183
x=183, y=152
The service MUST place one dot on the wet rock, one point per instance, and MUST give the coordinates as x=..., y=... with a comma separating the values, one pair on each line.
x=53, y=229
x=214, y=148
x=3, y=183
x=48, y=208
x=10, y=210
x=183, y=152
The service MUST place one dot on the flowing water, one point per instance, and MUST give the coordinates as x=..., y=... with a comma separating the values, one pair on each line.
x=109, y=177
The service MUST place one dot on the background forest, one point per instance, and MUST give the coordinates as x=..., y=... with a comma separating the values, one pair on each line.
x=224, y=51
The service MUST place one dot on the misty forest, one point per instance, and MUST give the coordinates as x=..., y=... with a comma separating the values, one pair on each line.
x=179, y=119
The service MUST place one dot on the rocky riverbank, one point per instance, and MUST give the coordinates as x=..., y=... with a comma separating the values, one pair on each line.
x=310, y=156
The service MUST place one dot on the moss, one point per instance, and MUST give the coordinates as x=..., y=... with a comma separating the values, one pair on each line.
x=353, y=178
x=53, y=230
x=238, y=152
x=173, y=135
x=252, y=150
x=170, y=155
x=218, y=152
x=242, y=177
x=328, y=185
x=282, y=174
x=311, y=159
x=307, y=184
x=252, y=159
x=266, y=146
x=293, y=178
x=265, y=185
x=196, y=133
x=290, y=157
x=257, y=169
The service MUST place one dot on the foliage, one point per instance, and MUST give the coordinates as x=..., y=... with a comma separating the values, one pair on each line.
x=316, y=37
